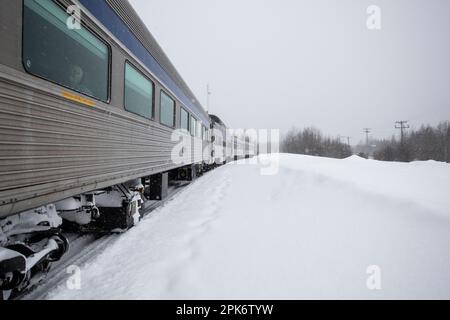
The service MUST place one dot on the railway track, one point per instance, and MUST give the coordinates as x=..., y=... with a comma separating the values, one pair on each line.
x=83, y=248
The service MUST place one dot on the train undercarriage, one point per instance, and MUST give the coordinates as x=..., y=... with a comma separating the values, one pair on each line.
x=31, y=241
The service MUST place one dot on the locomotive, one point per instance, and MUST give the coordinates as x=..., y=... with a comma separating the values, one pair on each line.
x=87, y=122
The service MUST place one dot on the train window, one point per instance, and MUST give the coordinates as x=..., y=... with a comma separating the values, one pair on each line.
x=76, y=59
x=138, y=92
x=193, y=126
x=167, y=110
x=184, y=120
x=199, y=130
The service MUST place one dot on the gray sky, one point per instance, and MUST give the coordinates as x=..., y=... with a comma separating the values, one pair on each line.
x=284, y=63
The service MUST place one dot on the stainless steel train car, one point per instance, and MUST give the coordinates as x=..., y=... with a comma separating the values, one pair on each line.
x=89, y=107
x=218, y=140
x=228, y=145
x=84, y=109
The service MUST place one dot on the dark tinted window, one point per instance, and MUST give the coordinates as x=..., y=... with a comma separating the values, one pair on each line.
x=76, y=59
x=184, y=120
x=167, y=110
x=138, y=92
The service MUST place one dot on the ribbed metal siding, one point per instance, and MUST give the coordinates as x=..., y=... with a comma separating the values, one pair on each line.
x=49, y=144
x=52, y=148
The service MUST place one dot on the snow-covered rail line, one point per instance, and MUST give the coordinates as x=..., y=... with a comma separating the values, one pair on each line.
x=83, y=248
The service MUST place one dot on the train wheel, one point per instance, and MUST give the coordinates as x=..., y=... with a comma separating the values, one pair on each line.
x=63, y=247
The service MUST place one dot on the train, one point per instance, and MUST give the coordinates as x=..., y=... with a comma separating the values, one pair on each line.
x=91, y=111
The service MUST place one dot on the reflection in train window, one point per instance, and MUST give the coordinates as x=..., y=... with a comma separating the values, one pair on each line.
x=167, y=110
x=193, y=126
x=184, y=120
x=76, y=59
x=138, y=92
x=199, y=130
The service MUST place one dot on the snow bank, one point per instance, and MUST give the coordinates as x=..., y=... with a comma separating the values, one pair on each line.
x=419, y=183
x=311, y=231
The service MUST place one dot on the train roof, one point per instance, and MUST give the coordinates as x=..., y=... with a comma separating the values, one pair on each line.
x=120, y=18
x=216, y=119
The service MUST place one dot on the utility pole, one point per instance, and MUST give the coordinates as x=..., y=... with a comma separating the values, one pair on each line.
x=367, y=131
x=447, y=132
x=402, y=125
x=208, y=96
x=347, y=138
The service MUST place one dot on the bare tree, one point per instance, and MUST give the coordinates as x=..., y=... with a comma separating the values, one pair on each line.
x=310, y=141
x=427, y=143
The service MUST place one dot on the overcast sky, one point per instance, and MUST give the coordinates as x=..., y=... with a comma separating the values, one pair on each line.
x=284, y=63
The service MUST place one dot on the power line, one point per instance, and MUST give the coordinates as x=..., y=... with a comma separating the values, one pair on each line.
x=402, y=125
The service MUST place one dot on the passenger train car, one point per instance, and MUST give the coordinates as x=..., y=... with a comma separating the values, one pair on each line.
x=88, y=111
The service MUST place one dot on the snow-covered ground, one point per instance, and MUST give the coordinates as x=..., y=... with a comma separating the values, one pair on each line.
x=310, y=231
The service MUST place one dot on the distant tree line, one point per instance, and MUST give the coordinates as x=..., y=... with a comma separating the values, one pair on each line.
x=310, y=141
x=426, y=143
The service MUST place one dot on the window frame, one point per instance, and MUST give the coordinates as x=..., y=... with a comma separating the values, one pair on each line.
x=193, y=134
x=188, y=118
x=199, y=131
x=174, y=109
x=127, y=61
x=204, y=133
x=88, y=28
